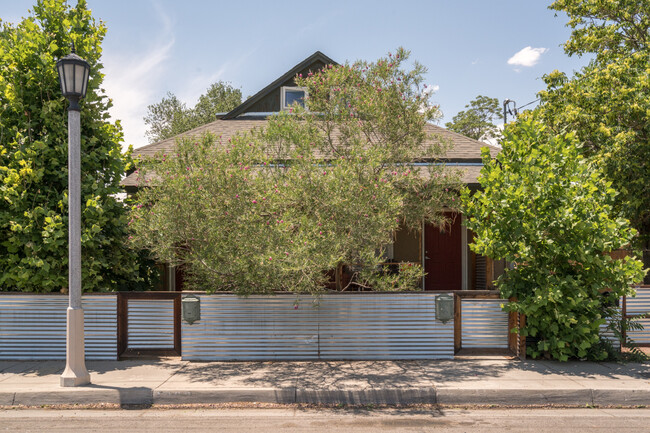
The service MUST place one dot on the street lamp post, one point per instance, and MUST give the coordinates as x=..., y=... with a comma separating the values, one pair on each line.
x=73, y=77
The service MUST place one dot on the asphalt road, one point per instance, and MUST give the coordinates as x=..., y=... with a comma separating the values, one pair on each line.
x=327, y=420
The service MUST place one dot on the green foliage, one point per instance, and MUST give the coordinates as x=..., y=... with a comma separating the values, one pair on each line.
x=549, y=211
x=219, y=98
x=477, y=121
x=279, y=208
x=606, y=104
x=33, y=158
x=606, y=27
x=170, y=116
x=608, y=108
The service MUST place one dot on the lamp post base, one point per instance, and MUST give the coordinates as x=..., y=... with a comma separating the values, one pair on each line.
x=75, y=373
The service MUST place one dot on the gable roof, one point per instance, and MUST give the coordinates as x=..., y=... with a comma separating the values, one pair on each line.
x=291, y=73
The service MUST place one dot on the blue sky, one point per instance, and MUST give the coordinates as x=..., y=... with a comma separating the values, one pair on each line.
x=155, y=46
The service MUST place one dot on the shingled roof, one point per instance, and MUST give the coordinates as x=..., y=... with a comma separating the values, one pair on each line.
x=464, y=152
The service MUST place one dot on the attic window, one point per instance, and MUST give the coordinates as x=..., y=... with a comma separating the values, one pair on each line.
x=291, y=96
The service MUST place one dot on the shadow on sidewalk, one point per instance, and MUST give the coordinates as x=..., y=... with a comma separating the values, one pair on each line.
x=336, y=374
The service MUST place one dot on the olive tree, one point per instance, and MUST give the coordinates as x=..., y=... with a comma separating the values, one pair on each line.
x=320, y=186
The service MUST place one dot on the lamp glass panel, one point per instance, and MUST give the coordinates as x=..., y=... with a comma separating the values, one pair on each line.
x=85, y=81
x=61, y=78
x=79, y=75
x=68, y=75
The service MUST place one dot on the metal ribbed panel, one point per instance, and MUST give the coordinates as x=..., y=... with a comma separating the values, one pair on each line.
x=383, y=326
x=350, y=326
x=257, y=327
x=640, y=304
x=151, y=324
x=34, y=326
x=608, y=334
x=484, y=324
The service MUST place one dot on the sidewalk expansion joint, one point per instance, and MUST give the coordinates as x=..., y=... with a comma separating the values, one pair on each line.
x=170, y=376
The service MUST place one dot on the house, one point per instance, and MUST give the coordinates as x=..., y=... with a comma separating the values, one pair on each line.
x=445, y=256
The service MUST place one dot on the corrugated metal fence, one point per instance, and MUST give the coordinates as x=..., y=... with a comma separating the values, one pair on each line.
x=334, y=326
x=150, y=324
x=337, y=326
x=34, y=326
x=639, y=306
x=484, y=324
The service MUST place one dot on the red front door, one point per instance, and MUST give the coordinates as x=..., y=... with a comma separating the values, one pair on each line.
x=443, y=257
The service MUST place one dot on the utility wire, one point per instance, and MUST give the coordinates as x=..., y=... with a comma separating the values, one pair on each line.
x=525, y=105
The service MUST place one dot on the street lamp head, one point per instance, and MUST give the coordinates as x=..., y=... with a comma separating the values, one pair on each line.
x=73, y=77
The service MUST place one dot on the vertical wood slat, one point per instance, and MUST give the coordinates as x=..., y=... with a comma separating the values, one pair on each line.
x=457, y=324
x=513, y=339
x=177, y=325
x=122, y=324
x=522, y=340
x=489, y=273
x=624, y=316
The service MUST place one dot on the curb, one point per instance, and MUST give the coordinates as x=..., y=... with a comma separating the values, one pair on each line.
x=386, y=396
x=520, y=397
x=382, y=396
x=226, y=395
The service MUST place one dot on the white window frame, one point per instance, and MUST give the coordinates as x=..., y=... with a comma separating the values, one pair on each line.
x=283, y=97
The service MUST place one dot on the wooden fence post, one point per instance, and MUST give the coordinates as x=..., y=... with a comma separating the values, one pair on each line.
x=458, y=344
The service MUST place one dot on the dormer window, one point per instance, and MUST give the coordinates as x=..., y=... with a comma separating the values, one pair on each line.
x=292, y=95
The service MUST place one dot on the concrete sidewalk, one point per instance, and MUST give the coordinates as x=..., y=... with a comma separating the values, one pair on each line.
x=482, y=381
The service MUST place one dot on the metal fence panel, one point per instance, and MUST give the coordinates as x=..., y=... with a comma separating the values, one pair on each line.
x=349, y=326
x=383, y=326
x=254, y=328
x=34, y=327
x=484, y=324
x=150, y=324
x=640, y=304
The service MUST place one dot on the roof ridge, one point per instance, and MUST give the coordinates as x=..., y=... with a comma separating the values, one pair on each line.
x=282, y=78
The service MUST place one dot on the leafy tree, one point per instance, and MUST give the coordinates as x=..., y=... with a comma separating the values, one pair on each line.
x=606, y=27
x=550, y=211
x=606, y=104
x=219, y=98
x=170, y=116
x=33, y=158
x=279, y=208
x=477, y=121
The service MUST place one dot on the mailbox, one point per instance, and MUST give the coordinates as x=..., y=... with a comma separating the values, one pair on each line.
x=191, y=306
x=444, y=308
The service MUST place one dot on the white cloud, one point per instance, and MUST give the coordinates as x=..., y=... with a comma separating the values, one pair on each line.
x=527, y=57
x=131, y=81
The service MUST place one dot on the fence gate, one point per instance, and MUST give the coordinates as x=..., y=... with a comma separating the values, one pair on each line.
x=482, y=327
x=148, y=324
